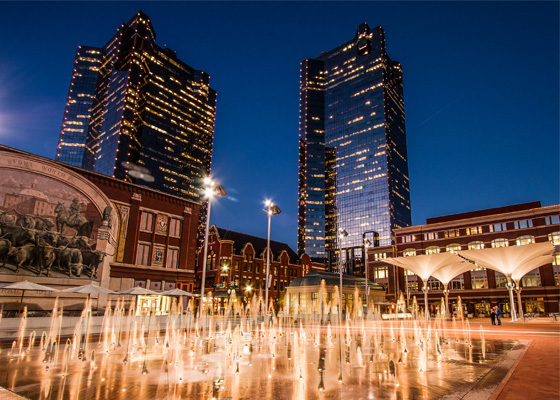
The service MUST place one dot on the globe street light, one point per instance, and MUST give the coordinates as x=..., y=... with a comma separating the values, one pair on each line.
x=271, y=210
x=210, y=190
x=367, y=244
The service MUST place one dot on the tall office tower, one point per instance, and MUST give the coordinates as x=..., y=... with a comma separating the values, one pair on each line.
x=353, y=169
x=77, y=113
x=152, y=115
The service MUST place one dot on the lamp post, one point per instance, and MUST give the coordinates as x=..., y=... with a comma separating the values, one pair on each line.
x=248, y=289
x=271, y=210
x=210, y=190
x=426, y=289
x=367, y=243
x=341, y=234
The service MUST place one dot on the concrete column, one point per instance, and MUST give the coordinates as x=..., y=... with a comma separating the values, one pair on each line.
x=446, y=294
x=519, y=304
x=509, y=287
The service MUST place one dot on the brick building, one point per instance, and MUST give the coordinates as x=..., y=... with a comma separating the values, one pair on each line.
x=237, y=260
x=150, y=241
x=514, y=225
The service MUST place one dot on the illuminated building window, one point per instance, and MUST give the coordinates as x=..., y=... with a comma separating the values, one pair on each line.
x=500, y=243
x=451, y=233
x=476, y=245
x=474, y=230
x=479, y=282
x=453, y=248
x=523, y=240
x=501, y=280
x=379, y=256
x=381, y=272
x=434, y=284
x=432, y=250
x=533, y=278
x=457, y=283
x=409, y=252
x=554, y=238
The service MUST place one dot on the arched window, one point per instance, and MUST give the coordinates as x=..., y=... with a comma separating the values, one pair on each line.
x=453, y=248
x=500, y=243
x=211, y=260
x=409, y=252
x=523, y=240
x=432, y=250
x=554, y=237
x=476, y=245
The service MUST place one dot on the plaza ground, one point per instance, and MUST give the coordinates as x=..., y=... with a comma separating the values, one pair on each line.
x=534, y=375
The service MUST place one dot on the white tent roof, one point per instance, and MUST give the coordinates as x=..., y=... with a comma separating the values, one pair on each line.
x=425, y=265
x=515, y=261
x=450, y=271
x=512, y=259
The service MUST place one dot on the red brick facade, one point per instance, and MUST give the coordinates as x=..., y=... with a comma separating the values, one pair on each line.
x=238, y=260
x=486, y=228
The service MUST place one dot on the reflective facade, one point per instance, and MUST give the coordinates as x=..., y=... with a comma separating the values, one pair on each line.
x=77, y=113
x=353, y=170
x=150, y=110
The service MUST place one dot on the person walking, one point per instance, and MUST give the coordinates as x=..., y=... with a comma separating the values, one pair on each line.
x=498, y=314
x=493, y=315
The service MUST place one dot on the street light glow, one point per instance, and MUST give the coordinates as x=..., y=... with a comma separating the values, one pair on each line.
x=209, y=192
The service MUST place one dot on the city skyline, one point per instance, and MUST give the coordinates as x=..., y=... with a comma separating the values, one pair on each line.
x=482, y=120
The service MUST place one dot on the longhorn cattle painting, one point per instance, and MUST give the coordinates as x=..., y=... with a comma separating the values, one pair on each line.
x=47, y=228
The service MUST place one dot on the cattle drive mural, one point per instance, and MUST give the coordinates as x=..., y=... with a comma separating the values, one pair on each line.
x=47, y=228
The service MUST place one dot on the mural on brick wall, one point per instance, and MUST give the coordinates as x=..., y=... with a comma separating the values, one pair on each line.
x=47, y=227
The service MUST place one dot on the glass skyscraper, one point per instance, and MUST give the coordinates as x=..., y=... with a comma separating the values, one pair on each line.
x=353, y=169
x=151, y=116
x=77, y=114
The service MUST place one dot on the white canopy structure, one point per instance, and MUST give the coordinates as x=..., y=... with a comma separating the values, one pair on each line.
x=446, y=275
x=514, y=262
x=426, y=265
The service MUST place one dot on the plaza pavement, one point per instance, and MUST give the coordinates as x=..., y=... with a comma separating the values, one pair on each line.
x=536, y=374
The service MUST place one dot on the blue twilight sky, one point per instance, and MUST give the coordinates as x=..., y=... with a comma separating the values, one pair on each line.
x=481, y=86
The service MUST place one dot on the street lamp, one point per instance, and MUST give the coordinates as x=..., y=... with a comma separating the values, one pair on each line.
x=271, y=210
x=210, y=190
x=341, y=234
x=367, y=244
